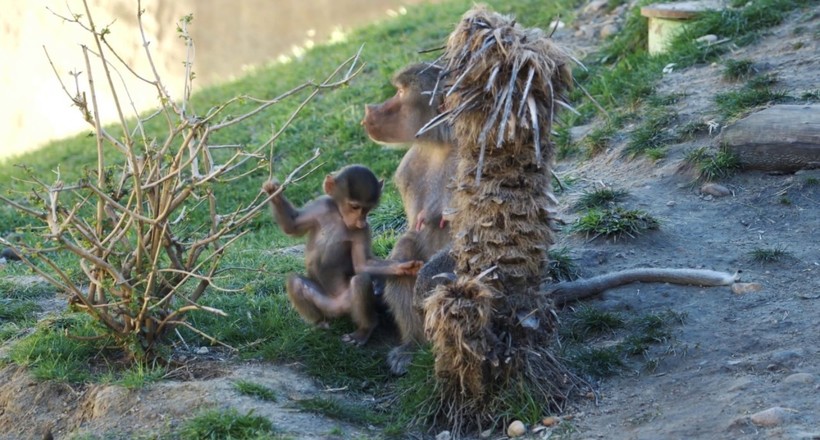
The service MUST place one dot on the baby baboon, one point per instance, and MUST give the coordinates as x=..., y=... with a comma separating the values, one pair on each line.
x=338, y=256
x=423, y=180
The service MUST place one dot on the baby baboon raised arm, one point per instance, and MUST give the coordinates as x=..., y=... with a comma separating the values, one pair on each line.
x=423, y=180
x=338, y=256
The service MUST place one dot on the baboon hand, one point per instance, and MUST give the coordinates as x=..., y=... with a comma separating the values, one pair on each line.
x=270, y=186
x=409, y=268
x=424, y=218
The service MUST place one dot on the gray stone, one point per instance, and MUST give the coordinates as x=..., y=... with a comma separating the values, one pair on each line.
x=770, y=417
x=800, y=378
x=595, y=6
x=715, y=190
x=608, y=31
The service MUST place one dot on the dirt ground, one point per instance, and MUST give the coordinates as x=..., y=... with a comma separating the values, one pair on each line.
x=734, y=356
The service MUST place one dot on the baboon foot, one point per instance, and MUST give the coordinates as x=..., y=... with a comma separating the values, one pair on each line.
x=399, y=359
x=358, y=338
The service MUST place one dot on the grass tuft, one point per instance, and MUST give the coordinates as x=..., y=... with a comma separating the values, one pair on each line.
x=600, y=198
x=769, y=255
x=226, y=424
x=720, y=166
x=589, y=321
x=755, y=94
x=50, y=354
x=614, y=222
x=253, y=389
x=598, y=140
x=561, y=266
x=17, y=311
x=341, y=411
x=598, y=362
x=652, y=134
x=735, y=70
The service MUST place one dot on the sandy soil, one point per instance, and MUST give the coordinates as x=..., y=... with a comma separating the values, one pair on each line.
x=734, y=356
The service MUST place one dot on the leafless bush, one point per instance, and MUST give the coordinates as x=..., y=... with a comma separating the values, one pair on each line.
x=141, y=275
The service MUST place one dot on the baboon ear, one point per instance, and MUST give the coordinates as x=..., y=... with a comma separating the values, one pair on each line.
x=329, y=185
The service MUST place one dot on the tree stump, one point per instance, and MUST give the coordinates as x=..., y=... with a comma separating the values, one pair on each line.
x=779, y=138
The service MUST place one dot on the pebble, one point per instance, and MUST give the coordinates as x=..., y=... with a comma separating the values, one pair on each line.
x=516, y=429
x=709, y=198
x=595, y=6
x=608, y=31
x=671, y=203
x=800, y=378
x=550, y=421
x=715, y=190
x=741, y=288
x=202, y=350
x=443, y=435
x=770, y=417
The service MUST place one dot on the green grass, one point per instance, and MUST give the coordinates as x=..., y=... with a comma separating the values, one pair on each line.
x=756, y=93
x=586, y=321
x=600, y=198
x=614, y=223
x=49, y=354
x=597, y=362
x=137, y=375
x=602, y=344
x=344, y=412
x=18, y=287
x=652, y=134
x=256, y=390
x=227, y=424
x=17, y=311
x=599, y=139
x=713, y=166
x=561, y=266
x=268, y=327
x=622, y=77
x=734, y=70
x=769, y=255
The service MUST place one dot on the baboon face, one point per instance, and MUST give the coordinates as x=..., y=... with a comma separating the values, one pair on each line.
x=397, y=120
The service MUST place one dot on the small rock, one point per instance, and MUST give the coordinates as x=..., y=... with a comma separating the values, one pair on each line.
x=741, y=288
x=443, y=435
x=550, y=421
x=671, y=203
x=707, y=39
x=709, y=198
x=516, y=429
x=595, y=6
x=770, y=417
x=202, y=350
x=556, y=24
x=715, y=190
x=608, y=31
x=800, y=378
x=787, y=358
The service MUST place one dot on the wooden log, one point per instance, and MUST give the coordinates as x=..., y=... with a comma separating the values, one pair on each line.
x=779, y=138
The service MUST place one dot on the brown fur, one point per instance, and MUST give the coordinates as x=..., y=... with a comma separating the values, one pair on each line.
x=423, y=180
x=338, y=257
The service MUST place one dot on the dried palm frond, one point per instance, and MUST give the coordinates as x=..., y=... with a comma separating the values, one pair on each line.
x=457, y=319
x=508, y=77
